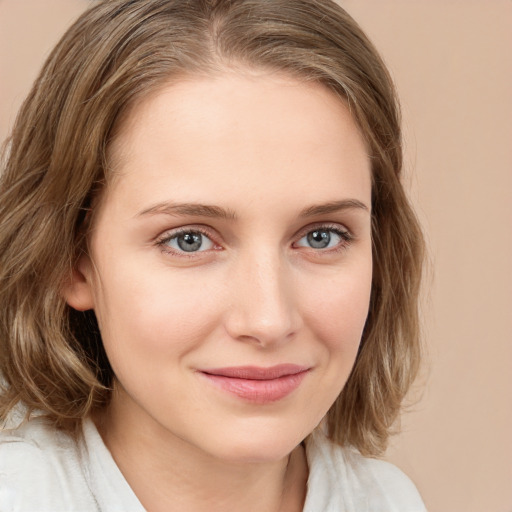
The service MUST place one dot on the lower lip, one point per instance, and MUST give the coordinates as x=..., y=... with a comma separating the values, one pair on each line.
x=258, y=391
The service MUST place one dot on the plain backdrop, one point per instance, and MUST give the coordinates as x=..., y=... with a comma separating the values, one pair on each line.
x=452, y=63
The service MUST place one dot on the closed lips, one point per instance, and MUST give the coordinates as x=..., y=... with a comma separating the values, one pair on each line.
x=255, y=384
x=256, y=373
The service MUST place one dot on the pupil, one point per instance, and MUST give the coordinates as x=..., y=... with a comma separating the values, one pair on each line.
x=190, y=242
x=319, y=239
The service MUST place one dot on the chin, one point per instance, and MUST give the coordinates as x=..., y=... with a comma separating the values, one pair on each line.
x=257, y=444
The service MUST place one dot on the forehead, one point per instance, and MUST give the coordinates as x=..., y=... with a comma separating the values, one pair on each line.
x=240, y=130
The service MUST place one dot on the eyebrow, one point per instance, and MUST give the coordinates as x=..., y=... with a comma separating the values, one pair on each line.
x=205, y=210
x=332, y=207
x=192, y=209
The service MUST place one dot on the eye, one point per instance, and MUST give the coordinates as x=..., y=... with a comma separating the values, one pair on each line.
x=187, y=241
x=324, y=238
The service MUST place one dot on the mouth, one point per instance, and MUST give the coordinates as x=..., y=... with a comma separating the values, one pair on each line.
x=256, y=384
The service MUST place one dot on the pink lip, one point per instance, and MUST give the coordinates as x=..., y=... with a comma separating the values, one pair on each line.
x=255, y=384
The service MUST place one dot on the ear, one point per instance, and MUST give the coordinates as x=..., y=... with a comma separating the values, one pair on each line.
x=78, y=290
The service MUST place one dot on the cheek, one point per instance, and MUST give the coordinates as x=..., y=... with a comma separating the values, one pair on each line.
x=153, y=310
x=338, y=310
x=335, y=315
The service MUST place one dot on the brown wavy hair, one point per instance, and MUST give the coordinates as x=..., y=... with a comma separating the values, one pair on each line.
x=55, y=165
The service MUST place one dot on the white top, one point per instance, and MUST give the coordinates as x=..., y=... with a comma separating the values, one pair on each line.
x=44, y=470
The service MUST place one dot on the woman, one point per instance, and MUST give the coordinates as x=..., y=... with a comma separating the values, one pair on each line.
x=209, y=269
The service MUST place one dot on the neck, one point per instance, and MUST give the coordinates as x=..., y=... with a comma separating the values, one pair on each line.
x=169, y=474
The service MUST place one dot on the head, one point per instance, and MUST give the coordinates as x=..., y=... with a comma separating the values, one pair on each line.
x=62, y=165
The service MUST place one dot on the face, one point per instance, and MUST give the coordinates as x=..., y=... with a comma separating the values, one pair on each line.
x=230, y=264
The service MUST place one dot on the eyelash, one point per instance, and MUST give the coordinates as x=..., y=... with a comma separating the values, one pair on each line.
x=345, y=236
x=168, y=236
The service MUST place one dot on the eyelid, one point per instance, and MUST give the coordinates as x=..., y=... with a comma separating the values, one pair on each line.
x=333, y=226
x=345, y=234
x=162, y=239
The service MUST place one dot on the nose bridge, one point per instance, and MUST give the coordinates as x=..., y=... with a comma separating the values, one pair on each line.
x=263, y=309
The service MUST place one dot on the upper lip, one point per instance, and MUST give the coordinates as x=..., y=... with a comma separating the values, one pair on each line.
x=256, y=372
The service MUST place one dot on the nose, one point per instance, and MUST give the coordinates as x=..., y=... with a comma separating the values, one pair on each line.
x=263, y=303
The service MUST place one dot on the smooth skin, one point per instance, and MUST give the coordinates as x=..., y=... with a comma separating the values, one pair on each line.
x=236, y=232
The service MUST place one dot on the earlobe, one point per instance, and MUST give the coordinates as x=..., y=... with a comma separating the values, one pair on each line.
x=77, y=290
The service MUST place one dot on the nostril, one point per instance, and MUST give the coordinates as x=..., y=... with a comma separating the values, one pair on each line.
x=264, y=307
x=264, y=329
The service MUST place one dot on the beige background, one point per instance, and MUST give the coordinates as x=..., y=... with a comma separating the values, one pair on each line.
x=452, y=63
